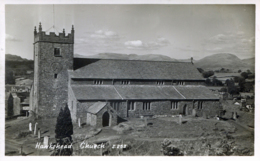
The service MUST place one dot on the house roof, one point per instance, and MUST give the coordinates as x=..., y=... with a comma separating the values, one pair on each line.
x=144, y=92
x=137, y=69
x=96, y=107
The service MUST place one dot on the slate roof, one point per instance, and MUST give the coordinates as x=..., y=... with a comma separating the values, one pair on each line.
x=137, y=69
x=96, y=107
x=95, y=92
x=144, y=92
x=196, y=92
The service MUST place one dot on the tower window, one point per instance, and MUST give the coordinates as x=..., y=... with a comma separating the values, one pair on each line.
x=57, y=52
x=55, y=76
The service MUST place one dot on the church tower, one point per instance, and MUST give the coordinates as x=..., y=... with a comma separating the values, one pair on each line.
x=53, y=57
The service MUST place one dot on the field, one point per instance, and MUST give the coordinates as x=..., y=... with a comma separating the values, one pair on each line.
x=196, y=136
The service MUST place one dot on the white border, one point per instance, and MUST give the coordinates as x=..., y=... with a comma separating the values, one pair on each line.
x=2, y=64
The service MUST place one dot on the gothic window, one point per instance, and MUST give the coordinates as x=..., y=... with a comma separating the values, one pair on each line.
x=146, y=106
x=174, y=105
x=57, y=52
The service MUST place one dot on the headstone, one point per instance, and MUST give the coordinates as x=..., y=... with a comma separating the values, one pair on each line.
x=205, y=115
x=145, y=121
x=36, y=129
x=21, y=150
x=194, y=113
x=180, y=119
x=30, y=126
x=39, y=134
x=234, y=115
x=46, y=141
x=79, y=122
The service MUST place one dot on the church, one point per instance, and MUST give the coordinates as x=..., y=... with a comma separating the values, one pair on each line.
x=131, y=88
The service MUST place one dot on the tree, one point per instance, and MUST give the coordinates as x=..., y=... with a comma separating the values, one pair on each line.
x=239, y=71
x=244, y=74
x=63, y=131
x=64, y=127
x=223, y=90
x=208, y=82
x=200, y=70
x=207, y=74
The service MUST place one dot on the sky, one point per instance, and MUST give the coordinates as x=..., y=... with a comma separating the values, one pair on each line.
x=177, y=31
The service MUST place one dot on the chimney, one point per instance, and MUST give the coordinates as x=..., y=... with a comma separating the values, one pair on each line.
x=191, y=59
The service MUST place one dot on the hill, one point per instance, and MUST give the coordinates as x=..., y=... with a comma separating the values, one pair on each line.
x=223, y=60
x=16, y=66
x=152, y=57
x=249, y=61
x=10, y=57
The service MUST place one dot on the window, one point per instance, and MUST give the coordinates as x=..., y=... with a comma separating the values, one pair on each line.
x=174, y=105
x=115, y=105
x=131, y=106
x=55, y=76
x=146, y=106
x=160, y=82
x=199, y=105
x=98, y=82
x=180, y=83
x=57, y=52
x=125, y=82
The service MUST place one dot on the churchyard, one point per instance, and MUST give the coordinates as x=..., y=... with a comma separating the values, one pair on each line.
x=189, y=135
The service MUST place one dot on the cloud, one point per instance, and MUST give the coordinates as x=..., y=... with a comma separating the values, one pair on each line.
x=138, y=44
x=11, y=38
x=233, y=42
x=100, y=34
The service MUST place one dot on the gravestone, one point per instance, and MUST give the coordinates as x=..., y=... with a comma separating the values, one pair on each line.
x=30, y=126
x=145, y=121
x=180, y=119
x=194, y=113
x=234, y=115
x=205, y=115
x=39, y=134
x=36, y=129
x=46, y=141
x=79, y=122
x=21, y=150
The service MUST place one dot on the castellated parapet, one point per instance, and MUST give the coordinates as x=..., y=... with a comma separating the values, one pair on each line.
x=41, y=36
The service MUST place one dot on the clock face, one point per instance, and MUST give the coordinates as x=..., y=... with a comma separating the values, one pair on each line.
x=56, y=67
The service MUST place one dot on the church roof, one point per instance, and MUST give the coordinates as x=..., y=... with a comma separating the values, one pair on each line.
x=137, y=69
x=142, y=92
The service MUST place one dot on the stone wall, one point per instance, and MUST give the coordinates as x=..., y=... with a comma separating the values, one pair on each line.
x=53, y=92
x=72, y=104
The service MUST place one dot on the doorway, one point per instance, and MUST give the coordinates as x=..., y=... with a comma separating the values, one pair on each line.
x=105, y=119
